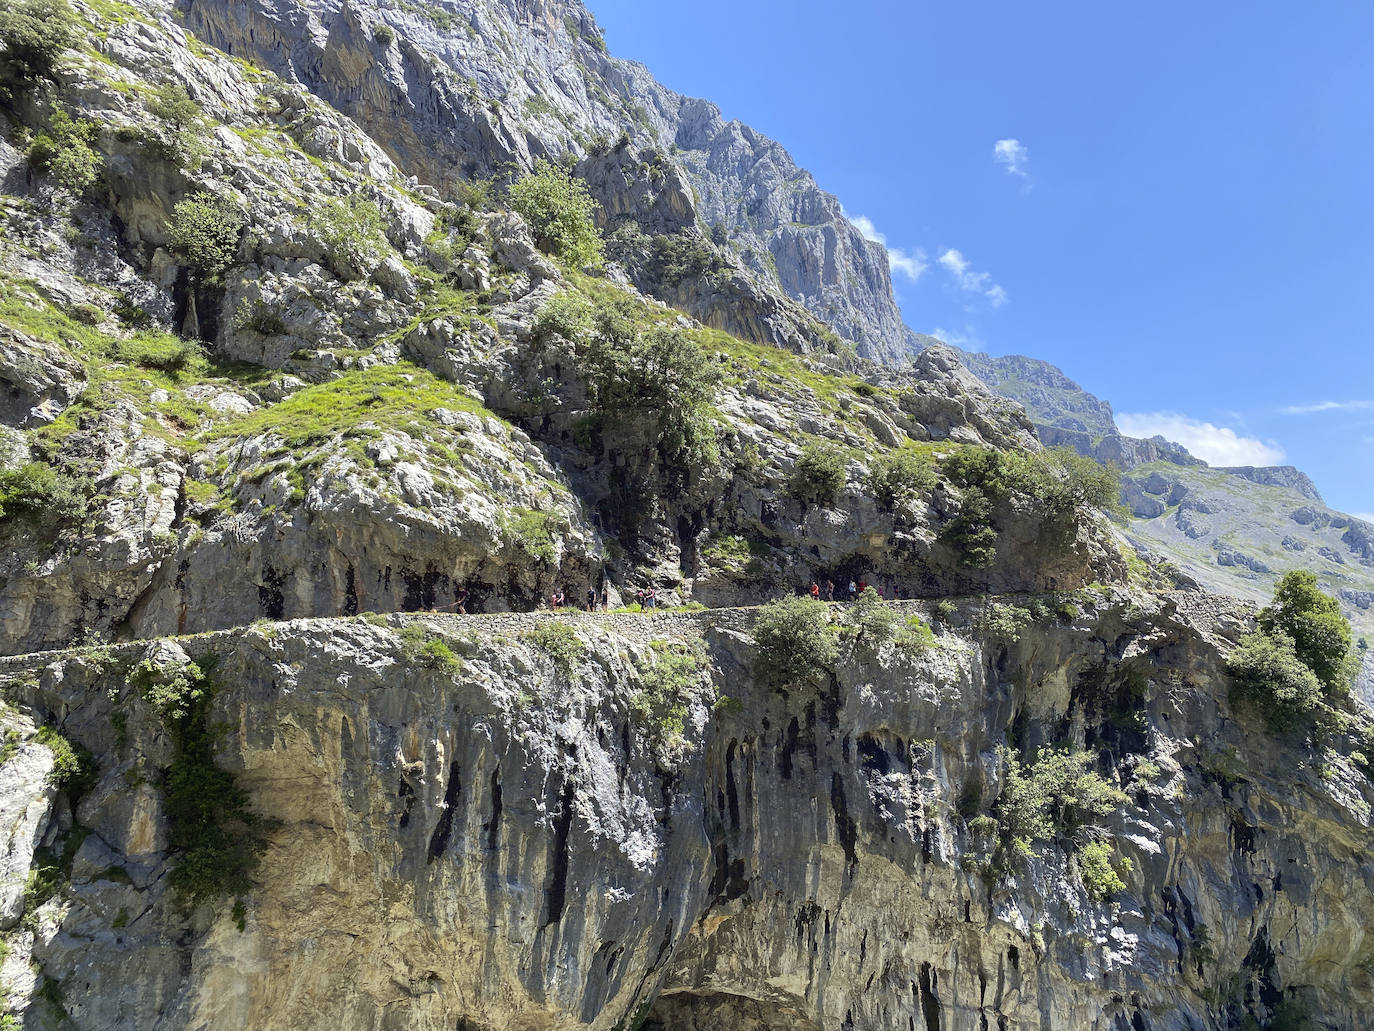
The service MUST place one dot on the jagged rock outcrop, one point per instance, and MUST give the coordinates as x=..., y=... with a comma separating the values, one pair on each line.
x=1276, y=476
x=516, y=844
x=471, y=86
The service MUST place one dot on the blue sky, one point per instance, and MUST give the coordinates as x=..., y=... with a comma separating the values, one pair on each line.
x=1170, y=201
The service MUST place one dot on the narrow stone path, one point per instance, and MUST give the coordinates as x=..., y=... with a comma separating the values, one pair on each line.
x=658, y=623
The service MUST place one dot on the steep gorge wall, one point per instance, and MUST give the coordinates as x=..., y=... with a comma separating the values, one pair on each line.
x=517, y=846
x=493, y=82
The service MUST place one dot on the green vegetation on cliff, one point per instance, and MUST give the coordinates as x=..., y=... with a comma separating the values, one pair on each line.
x=216, y=835
x=561, y=213
x=794, y=641
x=33, y=36
x=1299, y=661
x=1058, y=483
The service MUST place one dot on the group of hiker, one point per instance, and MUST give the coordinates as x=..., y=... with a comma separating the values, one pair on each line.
x=855, y=588
x=645, y=597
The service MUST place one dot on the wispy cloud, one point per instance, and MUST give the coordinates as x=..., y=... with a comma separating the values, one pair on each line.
x=907, y=263
x=1368, y=517
x=1215, y=445
x=1012, y=155
x=969, y=281
x=1329, y=406
x=967, y=338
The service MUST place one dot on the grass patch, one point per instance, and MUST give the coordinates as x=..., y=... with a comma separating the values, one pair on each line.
x=382, y=396
x=422, y=648
x=559, y=642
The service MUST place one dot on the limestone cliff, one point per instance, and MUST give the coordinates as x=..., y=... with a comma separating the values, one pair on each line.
x=472, y=85
x=284, y=373
x=519, y=841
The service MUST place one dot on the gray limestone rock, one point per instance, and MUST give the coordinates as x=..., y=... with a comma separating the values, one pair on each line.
x=517, y=845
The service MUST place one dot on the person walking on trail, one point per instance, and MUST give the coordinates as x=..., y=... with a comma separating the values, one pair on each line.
x=853, y=590
x=830, y=590
x=651, y=598
x=460, y=601
x=815, y=591
x=591, y=599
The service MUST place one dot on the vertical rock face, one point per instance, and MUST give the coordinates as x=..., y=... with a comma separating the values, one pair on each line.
x=469, y=86
x=521, y=843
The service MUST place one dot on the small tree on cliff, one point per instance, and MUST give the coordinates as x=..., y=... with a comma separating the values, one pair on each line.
x=1299, y=658
x=795, y=641
x=1320, y=634
x=561, y=213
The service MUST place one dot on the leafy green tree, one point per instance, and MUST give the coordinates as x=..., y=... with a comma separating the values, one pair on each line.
x=33, y=36
x=971, y=530
x=900, y=475
x=1312, y=620
x=39, y=492
x=561, y=212
x=63, y=152
x=1098, y=872
x=351, y=232
x=794, y=640
x=1056, y=794
x=870, y=619
x=1269, y=675
x=205, y=229
x=180, y=138
x=640, y=371
x=818, y=477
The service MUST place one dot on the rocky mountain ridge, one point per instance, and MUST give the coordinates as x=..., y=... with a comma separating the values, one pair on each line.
x=472, y=88
x=1235, y=529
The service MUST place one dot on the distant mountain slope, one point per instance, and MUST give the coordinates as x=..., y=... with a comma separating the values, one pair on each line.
x=1236, y=530
x=1238, y=536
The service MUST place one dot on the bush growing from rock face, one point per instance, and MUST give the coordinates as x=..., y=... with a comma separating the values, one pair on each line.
x=351, y=232
x=818, y=478
x=40, y=492
x=210, y=826
x=1298, y=660
x=1056, y=794
x=33, y=35
x=384, y=35
x=1061, y=485
x=1269, y=675
x=1312, y=620
x=795, y=642
x=900, y=475
x=639, y=370
x=180, y=138
x=205, y=229
x=871, y=619
x=63, y=152
x=1098, y=872
x=561, y=212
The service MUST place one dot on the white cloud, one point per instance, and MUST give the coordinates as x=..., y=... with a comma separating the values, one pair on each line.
x=1012, y=156
x=1329, y=406
x=1215, y=445
x=967, y=338
x=969, y=281
x=1368, y=517
x=910, y=264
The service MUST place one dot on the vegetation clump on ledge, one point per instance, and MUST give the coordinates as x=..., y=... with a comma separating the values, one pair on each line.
x=1298, y=664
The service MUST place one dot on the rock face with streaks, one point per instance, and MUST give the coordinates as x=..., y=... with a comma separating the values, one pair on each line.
x=525, y=842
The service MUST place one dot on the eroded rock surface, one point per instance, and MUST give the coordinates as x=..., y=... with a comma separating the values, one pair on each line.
x=515, y=844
